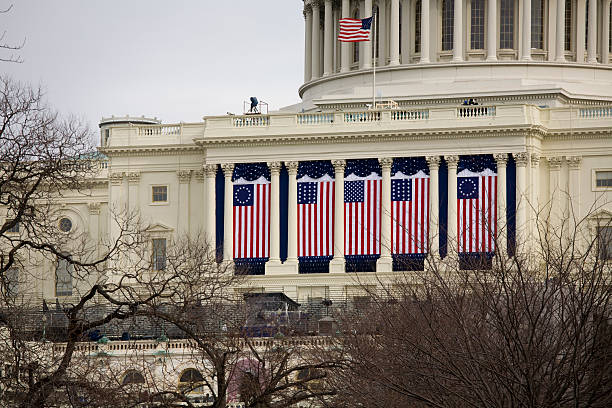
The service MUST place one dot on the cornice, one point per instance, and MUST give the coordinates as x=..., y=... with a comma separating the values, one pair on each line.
x=161, y=150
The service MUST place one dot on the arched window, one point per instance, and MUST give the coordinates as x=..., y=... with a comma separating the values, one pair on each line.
x=132, y=377
x=537, y=24
x=191, y=381
x=356, y=44
x=477, y=26
x=63, y=278
x=568, y=25
x=417, y=26
x=447, y=24
x=506, y=24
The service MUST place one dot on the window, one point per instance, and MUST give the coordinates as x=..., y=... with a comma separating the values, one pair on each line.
x=191, y=381
x=356, y=44
x=604, y=243
x=14, y=229
x=63, y=278
x=159, y=254
x=159, y=194
x=537, y=24
x=603, y=179
x=132, y=377
x=568, y=25
x=477, y=31
x=506, y=24
x=447, y=24
x=417, y=26
x=12, y=281
x=65, y=224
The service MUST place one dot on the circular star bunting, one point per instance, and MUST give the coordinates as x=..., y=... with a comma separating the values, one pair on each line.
x=242, y=195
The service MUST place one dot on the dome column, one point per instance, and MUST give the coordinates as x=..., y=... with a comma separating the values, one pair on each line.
x=308, y=44
x=526, y=41
x=592, y=38
x=328, y=40
x=605, y=39
x=424, y=31
x=560, y=45
x=458, y=32
x=492, y=30
x=316, y=40
x=395, y=33
x=345, y=64
x=366, y=57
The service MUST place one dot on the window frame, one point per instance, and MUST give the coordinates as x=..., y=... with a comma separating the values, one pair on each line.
x=484, y=27
x=607, y=256
x=59, y=224
x=191, y=388
x=12, y=282
x=594, y=186
x=155, y=258
x=441, y=49
x=69, y=273
x=515, y=18
x=160, y=202
x=15, y=229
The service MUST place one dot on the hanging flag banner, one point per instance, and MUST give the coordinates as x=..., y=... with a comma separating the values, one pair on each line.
x=251, y=184
x=409, y=206
x=362, y=195
x=476, y=204
x=355, y=29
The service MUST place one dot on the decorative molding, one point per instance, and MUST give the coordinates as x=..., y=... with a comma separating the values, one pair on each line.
x=433, y=162
x=275, y=167
x=199, y=175
x=501, y=159
x=452, y=161
x=339, y=165
x=521, y=158
x=184, y=176
x=228, y=169
x=535, y=160
x=292, y=167
x=574, y=162
x=210, y=170
x=161, y=150
x=116, y=179
x=133, y=177
x=554, y=162
x=94, y=208
x=386, y=163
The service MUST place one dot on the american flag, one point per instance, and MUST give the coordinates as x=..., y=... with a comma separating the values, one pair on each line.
x=354, y=29
x=315, y=209
x=362, y=212
x=251, y=212
x=409, y=213
x=476, y=210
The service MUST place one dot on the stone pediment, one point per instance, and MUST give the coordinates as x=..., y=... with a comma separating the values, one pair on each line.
x=602, y=215
x=158, y=228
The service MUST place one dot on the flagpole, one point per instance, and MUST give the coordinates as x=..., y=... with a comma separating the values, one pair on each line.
x=374, y=63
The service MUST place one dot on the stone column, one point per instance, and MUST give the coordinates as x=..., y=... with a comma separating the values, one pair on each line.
x=337, y=264
x=535, y=200
x=345, y=51
x=381, y=22
x=424, y=31
x=580, y=29
x=394, y=43
x=554, y=166
x=560, y=40
x=434, y=206
x=526, y=38
x=605, y=38
x=458, y=32
x=492, y=30
x=116, y=204
x=210, y=206
x=385, y=262
x=133, y=182
x=502, y=221
x=328, y=41
x=522, y=198
x=308, y=44
x=366, y=56
x=94, y=225
x=592, y=39
x=292, y=246
x=184, y=177
x=451, y=242
x=574, y=163
x=275, y=168
x=406, y=42
x=228, y=216
x=316, y=40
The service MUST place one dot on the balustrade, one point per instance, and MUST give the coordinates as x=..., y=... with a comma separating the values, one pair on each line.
x=315, y=118
x=476, y=111
x=596, y=112
x=418, y=114
x=249, y=121
x=360, y=117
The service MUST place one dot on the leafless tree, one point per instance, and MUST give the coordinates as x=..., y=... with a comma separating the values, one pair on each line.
x=9, y=46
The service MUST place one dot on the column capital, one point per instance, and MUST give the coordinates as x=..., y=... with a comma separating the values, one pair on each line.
x=315, y=3
x=133, y=177
x=452, y=161
x=521, y=158
x=554, y=162
x=433, y=162
x=292, y=167
x=199, y=175
x=228, y=169
x=339, y=165
x=116, y=178
x=184, y=176
x=94, y=208
x=535, y=160
x=307, y=10
x=275, y=168
x=386, y=163
x=501, y=159
x=210, y=170
x=574, y=162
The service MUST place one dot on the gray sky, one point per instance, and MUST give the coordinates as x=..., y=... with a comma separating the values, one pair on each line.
x=177, y=60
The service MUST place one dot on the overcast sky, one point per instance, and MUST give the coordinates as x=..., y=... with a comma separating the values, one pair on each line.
x=177, y=60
